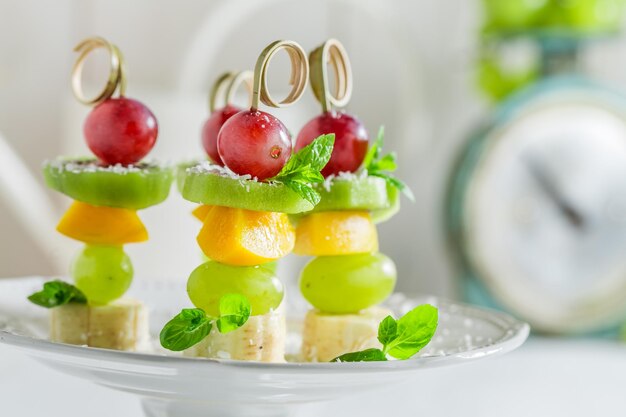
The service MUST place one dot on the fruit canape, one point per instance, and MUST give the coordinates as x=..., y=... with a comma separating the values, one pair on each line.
x=348, y=276
x=107, y=193
x=246, y=197
x=246, y=194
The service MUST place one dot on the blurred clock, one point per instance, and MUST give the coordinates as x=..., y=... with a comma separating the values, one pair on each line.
x=537, y=208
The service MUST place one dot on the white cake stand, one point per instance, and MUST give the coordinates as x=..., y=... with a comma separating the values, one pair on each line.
x=175, y=386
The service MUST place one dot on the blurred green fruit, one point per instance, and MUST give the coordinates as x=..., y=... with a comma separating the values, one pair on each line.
x=513, y=14
x=497, y=84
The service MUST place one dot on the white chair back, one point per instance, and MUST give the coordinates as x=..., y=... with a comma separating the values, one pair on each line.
x=27, y=200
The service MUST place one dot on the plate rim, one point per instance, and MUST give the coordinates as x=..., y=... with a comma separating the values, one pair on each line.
x=515, y=337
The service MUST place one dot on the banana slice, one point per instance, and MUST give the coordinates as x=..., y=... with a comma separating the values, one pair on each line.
x=261, y=339
x=326, y=336
x=121, y=325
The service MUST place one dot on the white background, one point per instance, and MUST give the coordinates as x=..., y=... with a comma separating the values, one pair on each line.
x=413, y=71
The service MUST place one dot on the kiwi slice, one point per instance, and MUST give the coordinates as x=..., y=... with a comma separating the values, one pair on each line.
x=211, y=184
x=181, y=172
x=358, y=193
x=353, y=193
x=133, y=187
x=381, y=215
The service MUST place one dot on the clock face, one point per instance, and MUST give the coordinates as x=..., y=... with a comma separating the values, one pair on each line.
x=544, y=214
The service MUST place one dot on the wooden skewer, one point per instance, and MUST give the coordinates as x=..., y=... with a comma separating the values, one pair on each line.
x=298, y=79
x=331, y=52
x=117, y=75
x=226, y=86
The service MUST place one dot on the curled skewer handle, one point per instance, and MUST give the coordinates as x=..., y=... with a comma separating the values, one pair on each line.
x=298, y=79
x=226, y=86
x=331, y=52
x=117, y=74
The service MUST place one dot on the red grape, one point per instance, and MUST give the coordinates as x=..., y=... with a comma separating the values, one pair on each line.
x=351, y=140
x=211, y=129
x=120, y=131
x=254, y=142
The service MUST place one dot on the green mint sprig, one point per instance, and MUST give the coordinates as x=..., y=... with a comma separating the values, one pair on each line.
x=186, y=329
x=192, y=325
x=303, y=168
x=234, y=312
x=400, y=338
x=57, y=293
x=378, y=165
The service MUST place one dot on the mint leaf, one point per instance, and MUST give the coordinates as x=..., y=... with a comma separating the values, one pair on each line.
x=367, y=355
x=414, y=331
x=375, y=149
x=234, y=312
x=57, y=293
x=192, y=325
x=387, y=330
x=400, y=338
x=395, y=182
x=380, y=166
x=189, y=327
x=303, y=168
x=305, y=191
x=386, y=163
x=315, y=155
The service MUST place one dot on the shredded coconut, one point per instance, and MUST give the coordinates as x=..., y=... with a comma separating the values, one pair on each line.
x=81, y=166
x=206, y=167
x=343, y=176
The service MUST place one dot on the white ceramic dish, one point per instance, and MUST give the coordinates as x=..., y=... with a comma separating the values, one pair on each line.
x=176, y=386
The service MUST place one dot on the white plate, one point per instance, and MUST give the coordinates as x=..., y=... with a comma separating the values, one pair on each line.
x=175, y=386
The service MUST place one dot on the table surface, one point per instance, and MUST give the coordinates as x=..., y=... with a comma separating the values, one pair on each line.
x=543, y=378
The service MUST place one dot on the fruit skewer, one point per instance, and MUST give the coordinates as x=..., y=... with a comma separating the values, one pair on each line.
x=246, y=194
x=107, y=193
x=348, y=276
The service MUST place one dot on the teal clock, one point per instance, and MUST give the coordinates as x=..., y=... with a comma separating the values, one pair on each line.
x=536, y=207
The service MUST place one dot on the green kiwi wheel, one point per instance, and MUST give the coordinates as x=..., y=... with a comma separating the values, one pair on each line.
x=353, y=193
x=132, y=187
x=212, y=185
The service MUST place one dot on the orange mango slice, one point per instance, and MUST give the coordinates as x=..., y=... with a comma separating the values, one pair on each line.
x=243, y=237
x=201, y=211
x=330, y=233
x=102, y=225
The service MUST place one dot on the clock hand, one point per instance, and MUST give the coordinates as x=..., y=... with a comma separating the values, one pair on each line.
x=549, y=187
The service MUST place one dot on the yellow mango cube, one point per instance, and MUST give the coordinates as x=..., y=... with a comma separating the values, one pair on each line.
x=330, y=233
x=201, y=211
x=244, y=237
x=102, y=225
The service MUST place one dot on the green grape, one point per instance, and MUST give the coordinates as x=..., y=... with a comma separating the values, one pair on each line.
x=271, y=266
x=347, y=283
x=102, y=273
x=211, y=280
